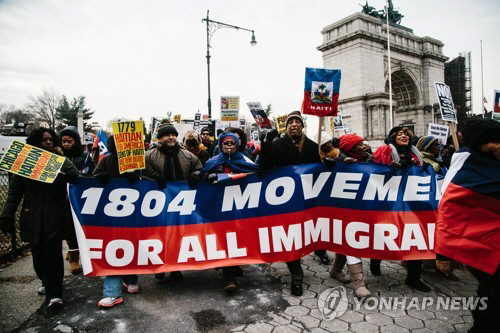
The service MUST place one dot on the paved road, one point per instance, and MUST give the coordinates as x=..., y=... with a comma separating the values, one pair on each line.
x=197, y=304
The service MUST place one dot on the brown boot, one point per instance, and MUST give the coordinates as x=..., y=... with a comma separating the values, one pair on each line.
x=358, y=280
x=74, y=265
x=336, y=269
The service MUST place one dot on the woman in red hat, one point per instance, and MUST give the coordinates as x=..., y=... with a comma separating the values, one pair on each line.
x=352, y=150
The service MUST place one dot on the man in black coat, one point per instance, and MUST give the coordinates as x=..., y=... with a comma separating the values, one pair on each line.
x=291, y=149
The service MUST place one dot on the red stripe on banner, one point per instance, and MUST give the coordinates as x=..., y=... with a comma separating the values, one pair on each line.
x=283, y=237
x=468, y=228
x=321, y=110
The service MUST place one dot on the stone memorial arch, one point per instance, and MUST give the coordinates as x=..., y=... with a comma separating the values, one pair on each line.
x=357, y=45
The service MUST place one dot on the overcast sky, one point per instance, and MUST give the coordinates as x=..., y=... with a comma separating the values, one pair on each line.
x=135, y=58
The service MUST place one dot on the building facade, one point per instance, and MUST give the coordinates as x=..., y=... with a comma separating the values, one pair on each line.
x=357, y=45
x=457, y=74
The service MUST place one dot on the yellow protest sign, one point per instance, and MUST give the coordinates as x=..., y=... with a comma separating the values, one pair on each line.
x=129, y=141
x=281, y=123
x=31, y=162
x=177, y=118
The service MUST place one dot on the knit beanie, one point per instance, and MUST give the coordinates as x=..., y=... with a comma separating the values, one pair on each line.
x=165, y=129
x=70, y=131
x=325, y=137
x=425, y=142
x=229, y=135
x=348, y=141
x=294, y=115
x=477, y=132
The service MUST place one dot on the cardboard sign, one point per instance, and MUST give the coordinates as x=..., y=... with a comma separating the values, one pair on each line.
x=448, y=112
x=440, y=132
x=177, y=118
x=496, y=106
x=31, y=162
x=243, y=123
x=129, y=141
x=259, y=115
x=281, y=123
x=336, y=123
x=196, y=123
x=321, y=92
x=229, y=108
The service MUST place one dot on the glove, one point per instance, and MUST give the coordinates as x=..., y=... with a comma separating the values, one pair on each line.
x=212, y=178
x=132, y=177
x=193, y=179
x=269, y=135
x=162, y=182
x=104, y=178
x=7, y=224
x=329, y=162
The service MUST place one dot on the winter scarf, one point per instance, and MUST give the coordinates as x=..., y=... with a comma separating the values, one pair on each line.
x=237, y=162
x=172, y=166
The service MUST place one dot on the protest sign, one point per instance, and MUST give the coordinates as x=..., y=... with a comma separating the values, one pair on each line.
x=177, y=118
x=448, y=112
x=229, y=108
x=281, y=123
x=31, y=162
x=336, y=123
x=259, y=115
x=196, y=123
x=440, y=132
x=88, y=138
x=155, y=123
x=129, y=142
x=496, y=106
x=321, y=92
x=243, y=123
x=362, y=210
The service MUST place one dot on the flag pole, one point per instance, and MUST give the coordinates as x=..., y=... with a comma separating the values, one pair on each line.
x=391, y=120
x=320, y=122
x=482, y=81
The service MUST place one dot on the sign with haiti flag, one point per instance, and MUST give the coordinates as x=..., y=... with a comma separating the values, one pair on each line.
x=31, y=162
x=129, y=143
x=321, y=92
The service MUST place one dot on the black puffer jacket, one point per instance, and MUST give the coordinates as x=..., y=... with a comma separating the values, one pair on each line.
x=282, y=152
x=45, y=207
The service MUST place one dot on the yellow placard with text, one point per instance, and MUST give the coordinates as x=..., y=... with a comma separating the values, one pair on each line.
x=177, y=118
x=129, y=141
x=281, y=123
x=31, y=162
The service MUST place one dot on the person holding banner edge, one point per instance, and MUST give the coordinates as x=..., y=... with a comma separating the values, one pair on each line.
x=44, y=218
x=291, y=149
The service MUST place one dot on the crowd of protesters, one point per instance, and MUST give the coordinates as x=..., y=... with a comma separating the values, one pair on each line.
x=46, y=220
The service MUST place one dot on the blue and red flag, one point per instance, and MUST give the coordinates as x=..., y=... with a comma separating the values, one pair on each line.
x=468, y=222
x=321, y=92
x=101, y=142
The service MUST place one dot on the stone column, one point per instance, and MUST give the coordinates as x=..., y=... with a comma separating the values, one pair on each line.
x=79, y=116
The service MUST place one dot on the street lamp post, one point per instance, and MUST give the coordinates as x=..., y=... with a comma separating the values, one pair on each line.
x=213, y=26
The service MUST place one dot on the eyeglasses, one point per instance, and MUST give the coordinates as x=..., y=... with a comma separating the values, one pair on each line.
x=205, y=134
x=229, y=143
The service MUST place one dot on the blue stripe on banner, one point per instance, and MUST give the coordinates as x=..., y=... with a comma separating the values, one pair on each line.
x=279, y=191
x=322, y=75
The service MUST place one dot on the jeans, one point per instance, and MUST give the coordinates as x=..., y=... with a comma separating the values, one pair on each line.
x=112, y=286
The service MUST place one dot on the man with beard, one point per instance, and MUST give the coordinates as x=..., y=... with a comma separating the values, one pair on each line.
x=168, y=161
x=291, y=149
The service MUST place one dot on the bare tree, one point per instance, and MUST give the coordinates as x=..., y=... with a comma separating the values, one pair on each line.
x=44, y=107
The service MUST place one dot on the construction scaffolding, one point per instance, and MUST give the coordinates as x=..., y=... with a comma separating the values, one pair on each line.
x=458, y=75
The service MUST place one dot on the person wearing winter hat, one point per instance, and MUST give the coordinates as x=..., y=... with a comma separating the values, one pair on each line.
x=169, y=161
x=400, y=153
x=73, y=150
x=327, y=149
x=192, y=142
x=230, y=160
x=291, y=149
x=429, y=148
x=351, y=150
x=106, y=169
x=205, y=139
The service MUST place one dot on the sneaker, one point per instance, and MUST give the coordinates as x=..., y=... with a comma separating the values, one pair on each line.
x=41, y=290
x=55, y=303
x=108, y=302
x=131, y=288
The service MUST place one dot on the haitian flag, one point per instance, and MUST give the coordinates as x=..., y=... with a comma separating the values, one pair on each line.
x=321, y=92
x=362, y=210
x=101, y=142
x=468, y=222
